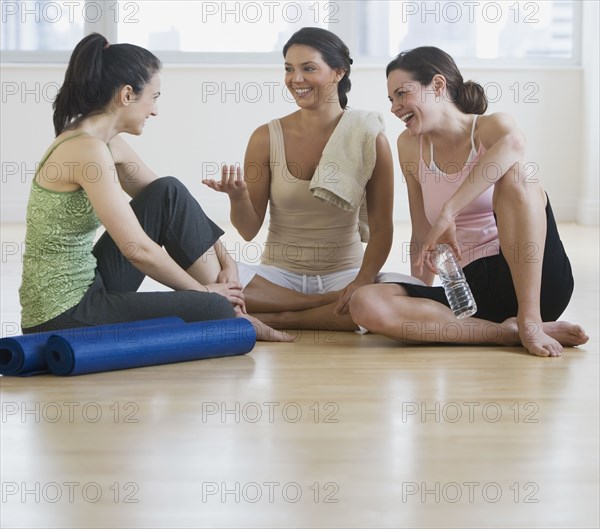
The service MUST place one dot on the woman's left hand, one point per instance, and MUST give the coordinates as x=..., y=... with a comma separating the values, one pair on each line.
x=342, y=306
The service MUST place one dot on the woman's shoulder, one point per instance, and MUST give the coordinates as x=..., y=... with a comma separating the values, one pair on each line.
x=77, y=145
x=263, y=130
x=490, y=127
x=408, y=146
x=260, y=135
x=75, y=135
x=289, y=120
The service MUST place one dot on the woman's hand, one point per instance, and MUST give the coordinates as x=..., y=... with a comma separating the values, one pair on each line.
x=232, y=291
x=229, y=274
x=232, y=182
x=344, y=299
x=443, y=231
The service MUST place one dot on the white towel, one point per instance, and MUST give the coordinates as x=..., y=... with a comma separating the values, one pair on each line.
x=347, y=164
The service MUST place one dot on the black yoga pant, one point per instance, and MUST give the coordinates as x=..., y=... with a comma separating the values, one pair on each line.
x=172, y=218
x=492, y=286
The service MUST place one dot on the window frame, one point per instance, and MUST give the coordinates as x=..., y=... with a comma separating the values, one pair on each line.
x=346, y=30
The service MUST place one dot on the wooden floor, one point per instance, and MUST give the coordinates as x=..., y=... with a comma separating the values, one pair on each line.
x=335, y=430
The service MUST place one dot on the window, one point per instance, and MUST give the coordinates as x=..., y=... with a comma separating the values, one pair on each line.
x=41, y=25
x=246, y=30
x=232, y=26
x=484, y=30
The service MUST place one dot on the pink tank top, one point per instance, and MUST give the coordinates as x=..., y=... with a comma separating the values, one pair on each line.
x=476, y=230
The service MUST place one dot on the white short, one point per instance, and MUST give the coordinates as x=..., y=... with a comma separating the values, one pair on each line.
x=314, y=284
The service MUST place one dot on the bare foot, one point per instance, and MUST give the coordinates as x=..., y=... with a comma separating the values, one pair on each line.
x=565, y=333
x=536, y=341
x=545, y=340
x=264, y=333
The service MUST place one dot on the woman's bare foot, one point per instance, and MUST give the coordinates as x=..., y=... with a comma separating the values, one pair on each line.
x=546, y=339
x=264, y=333
x=565, y=333
x=536, y=341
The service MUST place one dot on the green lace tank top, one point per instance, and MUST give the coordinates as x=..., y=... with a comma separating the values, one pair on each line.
x=58, y=264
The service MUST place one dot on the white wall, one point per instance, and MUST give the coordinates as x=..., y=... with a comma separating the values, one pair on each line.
x=207, y=113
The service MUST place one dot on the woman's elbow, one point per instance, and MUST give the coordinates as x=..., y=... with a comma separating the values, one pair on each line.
x=246, y=234
x=139, y=254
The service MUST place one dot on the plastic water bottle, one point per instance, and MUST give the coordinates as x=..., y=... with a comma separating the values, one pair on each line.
x=455, y=284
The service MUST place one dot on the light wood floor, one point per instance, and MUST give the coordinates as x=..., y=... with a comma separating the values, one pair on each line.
x=335, y=430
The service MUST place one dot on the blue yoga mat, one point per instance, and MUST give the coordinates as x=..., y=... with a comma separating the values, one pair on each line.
x=73, y=355
x=24, y=355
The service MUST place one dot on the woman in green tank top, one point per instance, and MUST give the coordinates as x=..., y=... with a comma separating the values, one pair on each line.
x=68, y=281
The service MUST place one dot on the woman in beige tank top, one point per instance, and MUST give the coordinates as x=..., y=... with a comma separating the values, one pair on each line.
x=313, y=260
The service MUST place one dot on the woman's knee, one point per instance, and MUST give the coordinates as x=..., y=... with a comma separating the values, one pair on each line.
x=516, y=186
x=167, y=181
x=203, y=306
x=367, y=305
x=166, y=184
x=166, y=187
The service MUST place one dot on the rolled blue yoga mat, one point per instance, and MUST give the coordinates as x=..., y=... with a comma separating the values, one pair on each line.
x=24, y=355
x=74, y=355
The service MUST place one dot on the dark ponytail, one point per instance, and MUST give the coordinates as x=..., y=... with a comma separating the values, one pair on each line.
x=96, y=71
x=333, y=50
x=470, y=98
x=425, y=62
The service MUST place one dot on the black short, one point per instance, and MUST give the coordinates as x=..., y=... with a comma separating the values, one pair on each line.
x=492, y=286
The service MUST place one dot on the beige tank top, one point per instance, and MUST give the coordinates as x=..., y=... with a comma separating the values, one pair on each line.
x=306, y=235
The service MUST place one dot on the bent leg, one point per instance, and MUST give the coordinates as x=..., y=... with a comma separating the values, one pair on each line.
x=387, y=309
x=171, y=217
x=100, y=307
x=520, y=211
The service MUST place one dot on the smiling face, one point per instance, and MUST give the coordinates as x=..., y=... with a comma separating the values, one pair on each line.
x=143, y=105
x=310, y=80
x=411, y=101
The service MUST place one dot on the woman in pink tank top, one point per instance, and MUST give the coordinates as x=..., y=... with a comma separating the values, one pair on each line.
x=468, y=187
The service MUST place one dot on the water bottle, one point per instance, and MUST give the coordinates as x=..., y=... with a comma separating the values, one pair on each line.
x=455, y=284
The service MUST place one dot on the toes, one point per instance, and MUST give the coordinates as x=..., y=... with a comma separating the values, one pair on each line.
x=285, y=337
x=538, y=350
x=555, y=351
x=542, y=351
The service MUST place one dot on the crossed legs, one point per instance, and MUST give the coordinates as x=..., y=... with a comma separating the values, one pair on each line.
x=284, y=308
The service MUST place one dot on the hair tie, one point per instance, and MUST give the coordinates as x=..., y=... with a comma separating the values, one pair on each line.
x=350, y=61
x=106, y=45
